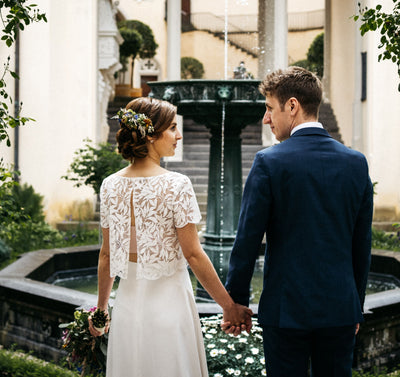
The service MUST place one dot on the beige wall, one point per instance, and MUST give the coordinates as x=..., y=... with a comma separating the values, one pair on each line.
x=375, y=121
x=58, y=88
x=210, y=51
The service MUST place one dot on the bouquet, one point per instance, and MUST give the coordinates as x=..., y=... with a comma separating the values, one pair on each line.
x=85, y=352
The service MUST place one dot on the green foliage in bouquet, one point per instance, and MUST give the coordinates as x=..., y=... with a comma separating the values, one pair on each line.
x=233, y=356
x=86, y=353
x=99, y=318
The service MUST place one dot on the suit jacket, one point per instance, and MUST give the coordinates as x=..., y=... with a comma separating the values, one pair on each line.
x=313, y=198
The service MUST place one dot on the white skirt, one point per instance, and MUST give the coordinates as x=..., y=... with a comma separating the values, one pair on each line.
x=155, y=329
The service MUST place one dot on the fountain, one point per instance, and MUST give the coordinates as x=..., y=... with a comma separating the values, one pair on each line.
x=225, y=107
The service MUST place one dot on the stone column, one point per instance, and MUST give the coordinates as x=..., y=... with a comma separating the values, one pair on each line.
x=327, y=50
x=273, y=28
x=109, y=40
x=174, y=39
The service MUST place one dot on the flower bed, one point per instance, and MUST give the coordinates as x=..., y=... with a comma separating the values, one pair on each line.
x=233, y=356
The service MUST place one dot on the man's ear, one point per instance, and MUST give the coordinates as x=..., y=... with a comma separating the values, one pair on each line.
x=293, y=104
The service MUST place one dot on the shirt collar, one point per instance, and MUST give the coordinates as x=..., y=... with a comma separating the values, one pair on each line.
x=306, y=125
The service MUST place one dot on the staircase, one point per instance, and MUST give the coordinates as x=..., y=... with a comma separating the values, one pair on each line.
x=195, y=160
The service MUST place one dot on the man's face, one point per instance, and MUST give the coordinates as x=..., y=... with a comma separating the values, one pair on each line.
x=279, y=120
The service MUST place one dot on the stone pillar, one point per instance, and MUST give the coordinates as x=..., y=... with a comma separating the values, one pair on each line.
x=273, y=28
x=174, y=39
x=327, y=50
x=109, y=40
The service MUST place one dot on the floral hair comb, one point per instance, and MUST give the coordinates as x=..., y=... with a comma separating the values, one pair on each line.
x=138, y=122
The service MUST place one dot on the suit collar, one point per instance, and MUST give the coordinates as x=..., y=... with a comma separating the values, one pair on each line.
x=311, y=131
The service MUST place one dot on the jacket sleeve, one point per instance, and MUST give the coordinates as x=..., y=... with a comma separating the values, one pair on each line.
x=253, y=221
x=362, y=242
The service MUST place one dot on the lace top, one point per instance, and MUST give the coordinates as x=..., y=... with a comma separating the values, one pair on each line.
x=161, y=204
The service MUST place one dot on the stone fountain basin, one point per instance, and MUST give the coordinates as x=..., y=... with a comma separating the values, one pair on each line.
x=31, y=309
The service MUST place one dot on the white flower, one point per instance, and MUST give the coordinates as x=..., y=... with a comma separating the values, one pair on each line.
x=211, y=346
x=208, y=336
x=238, y=356
x=231, y=347
x=262, y=360
x=263, y=372
x=255, y=351
x=222, y=352
x=213, y=353
x=243, y=340
x=237, y=372
x=218, y=375
x=212, y=331
x=249, y=360
x=230, y=371
x=223, y=340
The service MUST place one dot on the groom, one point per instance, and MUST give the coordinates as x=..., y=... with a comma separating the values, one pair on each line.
x=312, y=197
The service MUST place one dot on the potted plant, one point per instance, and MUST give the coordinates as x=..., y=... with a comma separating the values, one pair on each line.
x=138, y=40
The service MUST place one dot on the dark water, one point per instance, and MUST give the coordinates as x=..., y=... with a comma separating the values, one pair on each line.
x=85, y=280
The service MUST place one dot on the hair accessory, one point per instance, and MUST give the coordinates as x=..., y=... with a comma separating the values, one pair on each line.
x=138, y=122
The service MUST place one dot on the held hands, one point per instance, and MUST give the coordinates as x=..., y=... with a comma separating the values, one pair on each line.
x=237, y=319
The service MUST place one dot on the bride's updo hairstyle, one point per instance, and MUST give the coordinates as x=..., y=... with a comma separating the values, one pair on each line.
x=132, y=142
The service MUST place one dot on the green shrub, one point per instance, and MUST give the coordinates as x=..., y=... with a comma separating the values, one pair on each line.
x=19, y=364
x=386, y=241
x=25, y=197
x=315, y=57
x=191, y=68
x=92, y=164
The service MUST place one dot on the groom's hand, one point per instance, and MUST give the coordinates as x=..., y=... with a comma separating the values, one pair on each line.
x=237, y=319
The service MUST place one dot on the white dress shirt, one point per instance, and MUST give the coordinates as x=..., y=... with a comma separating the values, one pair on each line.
x=306, y=125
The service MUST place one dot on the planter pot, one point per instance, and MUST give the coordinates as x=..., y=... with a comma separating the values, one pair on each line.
x=125, y=90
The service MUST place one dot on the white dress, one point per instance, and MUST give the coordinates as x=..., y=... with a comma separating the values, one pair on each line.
x=155, y=329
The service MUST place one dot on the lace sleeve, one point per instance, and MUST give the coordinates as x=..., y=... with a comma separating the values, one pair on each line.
x=104, y=206
x=186, y=209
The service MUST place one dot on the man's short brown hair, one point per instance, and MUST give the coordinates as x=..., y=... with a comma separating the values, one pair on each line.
x=294, y=82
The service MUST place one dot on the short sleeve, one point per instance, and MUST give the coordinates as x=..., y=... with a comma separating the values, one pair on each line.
x=186, y=209
x=104, y=206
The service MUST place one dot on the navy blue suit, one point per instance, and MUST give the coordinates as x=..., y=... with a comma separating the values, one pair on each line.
x=313, y=198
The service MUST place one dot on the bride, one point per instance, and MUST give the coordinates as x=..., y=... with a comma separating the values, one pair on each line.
x=148, y=217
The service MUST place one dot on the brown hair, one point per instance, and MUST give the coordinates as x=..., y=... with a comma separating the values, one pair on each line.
x=294, y=82
x=132, y=144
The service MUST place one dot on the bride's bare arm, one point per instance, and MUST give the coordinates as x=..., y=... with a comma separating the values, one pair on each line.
x=204, y=270
x=105, y=282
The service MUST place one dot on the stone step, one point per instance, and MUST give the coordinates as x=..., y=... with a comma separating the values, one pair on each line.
x=386, y=226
